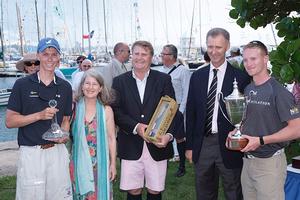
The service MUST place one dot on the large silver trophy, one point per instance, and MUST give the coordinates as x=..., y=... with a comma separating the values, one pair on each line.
x=54, y=133
x=235, y=105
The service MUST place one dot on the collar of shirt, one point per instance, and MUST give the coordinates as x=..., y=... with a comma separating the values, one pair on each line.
x=118, y=62
x=121, y=65
x=39, y=79
x=141, y=84
x=167, y=69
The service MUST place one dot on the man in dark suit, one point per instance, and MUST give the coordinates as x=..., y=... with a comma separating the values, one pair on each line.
x=207, y=128
x=138, y=94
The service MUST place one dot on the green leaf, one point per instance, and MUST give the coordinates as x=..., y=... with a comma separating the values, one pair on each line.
x=287, y=73
x=235, y=3
x=281, y=33
x=296, y=56
x=296, y=68
x=241, y=22
x=234, y=14
x=254, y=24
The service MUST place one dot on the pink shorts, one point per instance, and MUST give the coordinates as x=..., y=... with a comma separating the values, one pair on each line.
x=134, y=173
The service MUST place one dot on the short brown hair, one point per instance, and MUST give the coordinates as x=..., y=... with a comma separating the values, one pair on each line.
x=144, y=44
x=257, y=44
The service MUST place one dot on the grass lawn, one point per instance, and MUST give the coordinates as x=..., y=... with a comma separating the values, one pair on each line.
x=176, y=188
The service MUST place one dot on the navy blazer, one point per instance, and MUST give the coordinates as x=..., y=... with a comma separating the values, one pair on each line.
x=129, y=111
x=196, y=113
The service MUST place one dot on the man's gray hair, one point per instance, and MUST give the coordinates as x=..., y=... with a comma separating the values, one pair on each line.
x=218, y=31
x=172, y=50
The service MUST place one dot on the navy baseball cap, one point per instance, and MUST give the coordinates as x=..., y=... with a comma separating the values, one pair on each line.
x=46, y=43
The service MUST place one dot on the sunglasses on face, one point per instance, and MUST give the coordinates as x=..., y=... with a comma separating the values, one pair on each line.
x=165, y=54
x=30, y=63
x=86, y=66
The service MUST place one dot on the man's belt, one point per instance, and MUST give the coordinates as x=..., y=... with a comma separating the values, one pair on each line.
x=47, y=146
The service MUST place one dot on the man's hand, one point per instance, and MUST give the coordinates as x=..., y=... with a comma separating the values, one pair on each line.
x=162, y=141
x=62, y=140
x=47, y=113
x=230, y=134
x=189, y=155
x=253, y=143
x=141, y=128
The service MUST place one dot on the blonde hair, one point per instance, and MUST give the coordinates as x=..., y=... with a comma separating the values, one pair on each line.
x=106, y=96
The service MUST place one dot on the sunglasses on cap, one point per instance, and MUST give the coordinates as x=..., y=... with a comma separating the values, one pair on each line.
x=259, y=44
x=33, y=62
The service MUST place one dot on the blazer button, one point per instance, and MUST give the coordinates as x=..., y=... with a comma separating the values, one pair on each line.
x=142, y=116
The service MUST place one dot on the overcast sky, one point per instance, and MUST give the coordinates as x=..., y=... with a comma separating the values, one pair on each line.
x=161, y=21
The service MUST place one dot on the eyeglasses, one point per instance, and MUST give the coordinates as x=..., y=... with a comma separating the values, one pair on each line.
x=165, y=54
x=123, y=50
x=33, y=62
x=86, y=66
x=79, y=61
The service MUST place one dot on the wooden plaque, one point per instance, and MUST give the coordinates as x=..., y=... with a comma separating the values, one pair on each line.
x=162, y=118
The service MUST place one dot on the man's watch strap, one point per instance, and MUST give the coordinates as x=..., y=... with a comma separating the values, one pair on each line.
x=171, y=136
x=261, y=140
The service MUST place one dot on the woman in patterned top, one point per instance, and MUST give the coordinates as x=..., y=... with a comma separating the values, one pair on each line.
x=93, y=163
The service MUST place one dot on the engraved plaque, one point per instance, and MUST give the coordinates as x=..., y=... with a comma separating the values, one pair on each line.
x=162, y=118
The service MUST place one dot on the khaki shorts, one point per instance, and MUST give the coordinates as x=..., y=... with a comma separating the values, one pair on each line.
x=264, y=178
x=43, y=174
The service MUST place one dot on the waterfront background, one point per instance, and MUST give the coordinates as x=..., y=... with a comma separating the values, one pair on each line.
x=5, y=133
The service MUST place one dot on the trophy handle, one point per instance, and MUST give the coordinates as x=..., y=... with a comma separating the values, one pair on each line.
x=221, y=98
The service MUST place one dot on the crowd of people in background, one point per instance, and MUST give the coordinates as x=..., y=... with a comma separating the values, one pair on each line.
x=107, y=110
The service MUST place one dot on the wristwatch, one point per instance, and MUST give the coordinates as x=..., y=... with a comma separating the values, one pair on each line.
x=261, y=140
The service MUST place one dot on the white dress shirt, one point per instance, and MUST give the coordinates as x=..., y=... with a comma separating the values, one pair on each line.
x=180, y=81
x=220, y=76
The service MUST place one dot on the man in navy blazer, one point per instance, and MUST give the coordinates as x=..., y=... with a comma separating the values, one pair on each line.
x=138, y=94
x=206, y=149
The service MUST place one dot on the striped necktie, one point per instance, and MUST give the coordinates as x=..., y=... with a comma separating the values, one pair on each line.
x=210, y=104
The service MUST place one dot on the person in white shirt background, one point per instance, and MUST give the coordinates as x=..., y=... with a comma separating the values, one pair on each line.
x=180, y=75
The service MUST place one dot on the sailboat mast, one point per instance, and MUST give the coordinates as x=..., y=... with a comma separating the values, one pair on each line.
x=82, y=25
x=105, y=28
x=45, y=15
x=1, y=35
x=200, y=28
x=37, y=20
x=88, y=23
x=2, y=46
x=20, y=29
x=166, y=20
x=153, y=22
x=191, y=33
x=274, y=36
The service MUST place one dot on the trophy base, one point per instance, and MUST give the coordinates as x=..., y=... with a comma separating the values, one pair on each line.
x=55, y=134
x=236, y=144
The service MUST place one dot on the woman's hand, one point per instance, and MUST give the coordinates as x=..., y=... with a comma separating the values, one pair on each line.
x=112, y=172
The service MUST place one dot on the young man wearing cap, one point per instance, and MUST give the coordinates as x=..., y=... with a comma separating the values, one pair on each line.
x=43, y=171
x=272, y=117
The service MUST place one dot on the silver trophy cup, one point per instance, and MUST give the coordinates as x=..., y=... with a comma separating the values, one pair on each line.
x=54, y=132
x=235, y=105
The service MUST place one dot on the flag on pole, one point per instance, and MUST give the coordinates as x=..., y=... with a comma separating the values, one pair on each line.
x=89, y=35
